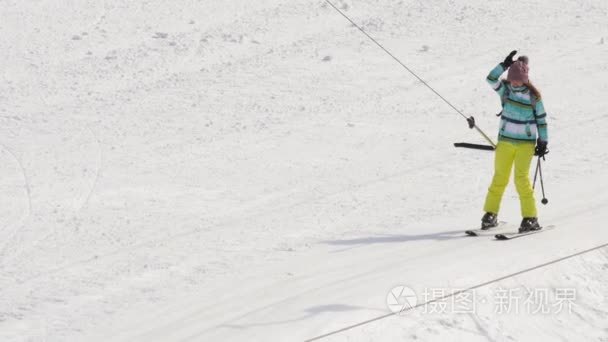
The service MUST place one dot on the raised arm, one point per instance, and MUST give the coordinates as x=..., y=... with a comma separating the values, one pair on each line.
x=495, y=81
x=494, y=76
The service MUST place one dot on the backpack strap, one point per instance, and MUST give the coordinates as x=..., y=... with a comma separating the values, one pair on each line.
x=533, y=101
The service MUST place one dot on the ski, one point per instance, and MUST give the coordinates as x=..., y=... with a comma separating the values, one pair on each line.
x=515, y=235
x=486, y=232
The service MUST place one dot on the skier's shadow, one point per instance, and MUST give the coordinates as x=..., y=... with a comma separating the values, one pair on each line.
x=395, y=238
x=308, y=313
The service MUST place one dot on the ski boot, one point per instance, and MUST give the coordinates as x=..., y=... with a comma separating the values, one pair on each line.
x=529, y=224
x=489, y=220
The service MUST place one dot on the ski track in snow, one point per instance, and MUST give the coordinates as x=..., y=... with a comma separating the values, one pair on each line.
x=261, y=171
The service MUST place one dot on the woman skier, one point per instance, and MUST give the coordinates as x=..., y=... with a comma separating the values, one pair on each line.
x=522, y=116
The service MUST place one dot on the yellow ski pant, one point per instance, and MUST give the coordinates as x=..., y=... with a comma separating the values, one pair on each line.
x=508, y=154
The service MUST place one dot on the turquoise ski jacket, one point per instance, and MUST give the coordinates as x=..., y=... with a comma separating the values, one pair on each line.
x=519, y=121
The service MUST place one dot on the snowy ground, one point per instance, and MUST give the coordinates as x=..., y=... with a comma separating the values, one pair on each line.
x=259, y=170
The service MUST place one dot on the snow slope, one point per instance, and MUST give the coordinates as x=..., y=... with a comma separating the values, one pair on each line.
x=229, y=171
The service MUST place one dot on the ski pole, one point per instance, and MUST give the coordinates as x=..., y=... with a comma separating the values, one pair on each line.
x=542, y=185
x=539, y=171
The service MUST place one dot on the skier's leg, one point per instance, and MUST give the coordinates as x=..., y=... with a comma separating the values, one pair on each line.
x=523, y=159
x=503, y=163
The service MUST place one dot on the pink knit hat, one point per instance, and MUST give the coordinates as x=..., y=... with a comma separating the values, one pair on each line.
x=518, y=72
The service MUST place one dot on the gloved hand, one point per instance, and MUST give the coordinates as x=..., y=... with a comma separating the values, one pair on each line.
x=509, y=60
x=541, y=148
